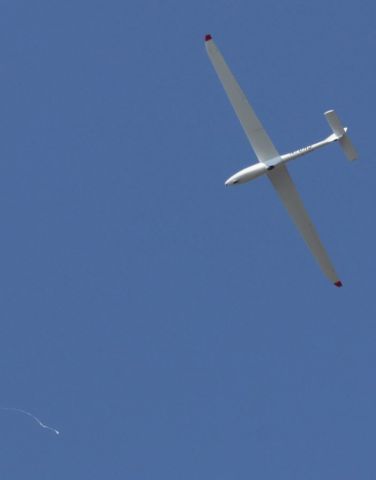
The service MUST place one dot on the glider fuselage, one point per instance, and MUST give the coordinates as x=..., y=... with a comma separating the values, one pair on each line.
x=250, y=173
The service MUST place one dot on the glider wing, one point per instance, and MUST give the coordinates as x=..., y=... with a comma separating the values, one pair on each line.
x=258, y=138
x=290, y=197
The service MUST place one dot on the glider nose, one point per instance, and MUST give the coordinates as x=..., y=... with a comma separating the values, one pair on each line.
x=231, y=181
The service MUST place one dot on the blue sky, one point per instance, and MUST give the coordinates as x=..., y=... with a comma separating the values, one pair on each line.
x=170, y=327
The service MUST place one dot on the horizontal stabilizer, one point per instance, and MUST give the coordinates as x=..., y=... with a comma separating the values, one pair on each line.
x=341, y=133
x=348, y=147
x=334, y=123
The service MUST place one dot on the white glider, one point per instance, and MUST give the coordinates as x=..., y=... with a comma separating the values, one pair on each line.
x=272, y=163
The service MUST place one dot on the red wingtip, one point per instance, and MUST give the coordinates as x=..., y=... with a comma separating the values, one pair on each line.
x=208, y=37
x=338, y=284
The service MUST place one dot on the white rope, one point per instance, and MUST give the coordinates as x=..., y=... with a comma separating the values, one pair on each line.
x=11, y=409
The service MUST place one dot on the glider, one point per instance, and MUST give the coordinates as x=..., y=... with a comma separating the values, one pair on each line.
x=272, y=164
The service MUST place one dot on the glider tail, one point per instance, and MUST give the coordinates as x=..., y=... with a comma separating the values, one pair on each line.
x=341, y=133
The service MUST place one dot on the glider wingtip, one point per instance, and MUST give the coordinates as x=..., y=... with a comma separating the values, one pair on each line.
x=338, y=283
x=208, y=37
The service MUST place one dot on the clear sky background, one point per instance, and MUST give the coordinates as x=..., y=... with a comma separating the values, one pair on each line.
x=170, y=327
